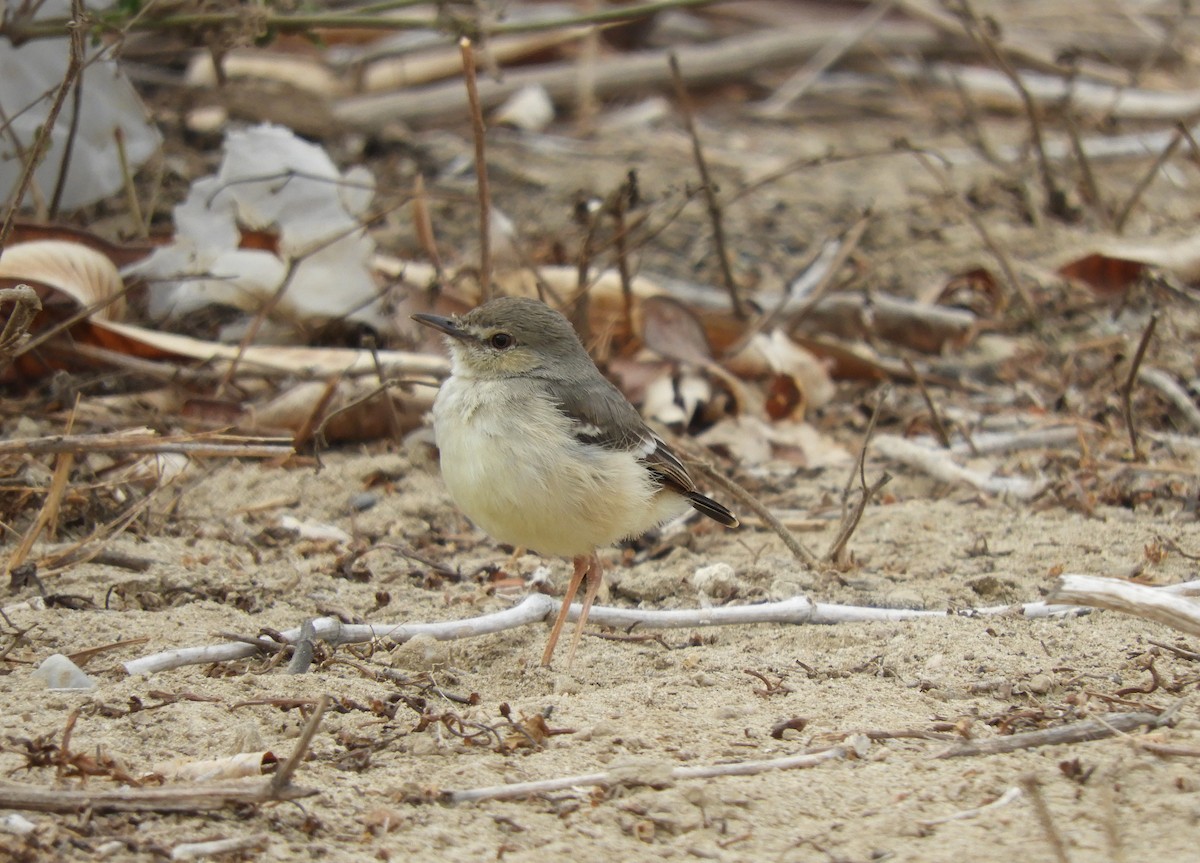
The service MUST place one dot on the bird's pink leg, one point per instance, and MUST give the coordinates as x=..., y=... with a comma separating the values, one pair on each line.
x=593, y=575
x=583, y=565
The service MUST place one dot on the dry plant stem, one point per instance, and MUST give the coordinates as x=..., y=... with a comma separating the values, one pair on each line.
x=62, y=326
x=1077, y=732
x=35, y=155
x=1152, y=603
x=718, y=63
x=305, y=646
x=939, y=427
x=839, y=545
x=256, y=324
x=190, y=798
x=281, y=782
x=743, y=768
x=79, y=551
x=939, y=464
x=948, y=24
x=1004, y=799
x=140, y=222
x=1166, y=749
x=25, y=306
x=847, y=247
x=533, y=609
x=1055, y=199
x=235, y=844
x=709, y=187
x=46, y=517
x=794, y=545
x=423, y=224
x=622, y=200
x=64, y=748
x=992, y=443
x=1033, y=790
x=20, y=30
x=1143, y=184
x=381, y=374
x=74, y=68
x=138, y=441
x=1010, y=274
x=316, y=418
x=1169, y=388
x=1127, y=389
x=587, y=106
x=1090, y=186
x=794, y=88
x=1193, y=146
x=481, y=172
x=850, y=519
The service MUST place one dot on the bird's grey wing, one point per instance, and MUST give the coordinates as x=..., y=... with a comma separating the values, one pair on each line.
x=603, y=417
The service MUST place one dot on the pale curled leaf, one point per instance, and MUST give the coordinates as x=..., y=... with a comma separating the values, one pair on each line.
x=210, y=769
x=529, y=109
x=669, y=328
x=77, y=271
x=775, y=354
x=298, y=361
x=1111, y=267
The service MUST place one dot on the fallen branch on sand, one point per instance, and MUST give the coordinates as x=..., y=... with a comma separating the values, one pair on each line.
x=641, y=775
x=194, y=797
x=1163, y=604
x=537, y=607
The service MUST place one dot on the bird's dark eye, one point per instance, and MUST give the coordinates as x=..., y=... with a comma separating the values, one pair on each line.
x=501, y=341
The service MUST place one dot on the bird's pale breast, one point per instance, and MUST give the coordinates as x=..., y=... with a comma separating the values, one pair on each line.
x=514, y=467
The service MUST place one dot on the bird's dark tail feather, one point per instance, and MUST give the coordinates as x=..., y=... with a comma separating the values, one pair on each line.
x=712, y=509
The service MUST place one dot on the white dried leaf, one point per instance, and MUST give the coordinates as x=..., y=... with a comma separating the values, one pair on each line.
x=79, y=271
x=529, y=109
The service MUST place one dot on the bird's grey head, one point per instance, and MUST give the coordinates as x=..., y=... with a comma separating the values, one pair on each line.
x=511, y=337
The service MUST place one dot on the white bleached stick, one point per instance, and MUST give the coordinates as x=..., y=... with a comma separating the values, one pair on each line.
x=1165, y=605
x=619, y=777
x=329, y=629
x=536, y=607
x=939, y=464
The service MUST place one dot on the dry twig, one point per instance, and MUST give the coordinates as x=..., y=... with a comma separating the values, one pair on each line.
x=481, y=172
x=794, y=545
x=1164, y=605
x=1143, y=184
x=654, y=778
x=1077, y=732
x=850, y=519
x=1033, y=790
x=34, y=156
x=1127, y=389
x=715, y=216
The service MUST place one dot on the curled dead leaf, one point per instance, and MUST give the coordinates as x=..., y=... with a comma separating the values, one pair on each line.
x=978, y=291
x=794, y=377
x=1105, y=275
x=1111, y=267
x=670, y=329
x=211, y=769
x=77, y=272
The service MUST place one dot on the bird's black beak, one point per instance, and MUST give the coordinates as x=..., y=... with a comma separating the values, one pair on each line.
x=449, y=326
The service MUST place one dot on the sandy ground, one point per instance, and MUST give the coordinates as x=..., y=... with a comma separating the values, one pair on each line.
x=221, y=565
x=636, y=708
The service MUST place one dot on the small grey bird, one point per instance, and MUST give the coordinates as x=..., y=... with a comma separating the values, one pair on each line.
x=540, y=450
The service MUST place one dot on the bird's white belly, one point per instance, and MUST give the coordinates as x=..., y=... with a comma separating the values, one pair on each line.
x=514, y=467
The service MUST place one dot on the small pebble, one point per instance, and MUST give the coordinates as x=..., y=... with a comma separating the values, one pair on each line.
x=363, y=501
x=61, y=673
